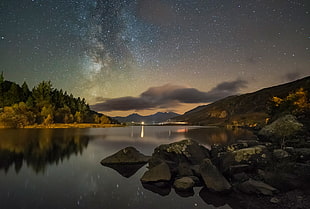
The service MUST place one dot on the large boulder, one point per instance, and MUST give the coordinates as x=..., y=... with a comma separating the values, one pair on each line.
x=128, y=155
x=186, y=151
x=256, y=187
x=254, y=156
x=160, y=172
x=212, y=178
x=283, y=127
x=184, y=183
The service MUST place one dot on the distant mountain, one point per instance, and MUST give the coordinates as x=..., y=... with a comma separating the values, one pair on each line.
x=245, y=109
x=155, y=118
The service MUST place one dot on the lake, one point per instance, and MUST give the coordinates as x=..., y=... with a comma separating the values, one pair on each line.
x=60, y=168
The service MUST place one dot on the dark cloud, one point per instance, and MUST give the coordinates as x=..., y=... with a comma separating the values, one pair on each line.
x=168, y=96
x=291, y=76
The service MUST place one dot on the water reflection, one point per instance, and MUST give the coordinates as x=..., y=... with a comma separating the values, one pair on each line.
x=39, y=148
x=215, y=135
x=67, y=181
x=142, y=132
x=126, y=170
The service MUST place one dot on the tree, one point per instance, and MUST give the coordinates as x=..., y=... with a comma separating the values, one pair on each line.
x=42, y=94
x=48, y=120
x=13, y=95
x=296, y=103
x=1, y=78
x=25, y=92
x=47, y=112
x=104, y=120
x=78, y=117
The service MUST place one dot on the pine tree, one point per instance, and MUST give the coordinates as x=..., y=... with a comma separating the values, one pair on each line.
x=1, y=78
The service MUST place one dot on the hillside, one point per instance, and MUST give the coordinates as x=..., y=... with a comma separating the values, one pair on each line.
x=246, y=109
x=155, y=118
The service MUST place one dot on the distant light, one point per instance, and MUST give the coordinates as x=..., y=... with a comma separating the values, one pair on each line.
x=142, y=123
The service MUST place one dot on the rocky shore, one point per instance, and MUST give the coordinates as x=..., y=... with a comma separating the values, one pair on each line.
x=245, y=174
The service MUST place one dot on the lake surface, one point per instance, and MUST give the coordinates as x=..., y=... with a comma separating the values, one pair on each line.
x=60, y=168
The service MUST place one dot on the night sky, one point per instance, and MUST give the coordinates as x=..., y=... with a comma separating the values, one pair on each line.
x=146, y=56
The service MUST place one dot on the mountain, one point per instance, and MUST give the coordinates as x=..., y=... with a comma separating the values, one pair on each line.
x=155, y=118
x=246, y=109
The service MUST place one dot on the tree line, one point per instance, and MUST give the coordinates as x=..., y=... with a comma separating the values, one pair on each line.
x=20, y=106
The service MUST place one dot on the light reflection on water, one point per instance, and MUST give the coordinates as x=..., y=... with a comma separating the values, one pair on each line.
x=60, y=168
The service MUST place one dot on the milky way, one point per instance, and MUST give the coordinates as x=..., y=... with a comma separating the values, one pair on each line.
x=104, y=50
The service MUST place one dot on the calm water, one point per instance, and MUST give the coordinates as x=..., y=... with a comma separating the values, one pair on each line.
x=60, y=168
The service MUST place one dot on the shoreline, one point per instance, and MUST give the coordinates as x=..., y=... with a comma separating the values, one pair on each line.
x=68, y=125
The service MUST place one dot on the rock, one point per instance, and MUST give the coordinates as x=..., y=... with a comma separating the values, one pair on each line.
x=128, y=155
x=233, y=169
x=282, y=127
x=160, y=172
x=216, y=149
x=240, y=177
x=162, y=189
x=289, y=150
x=303, y=154
x=241, y=144
x=212, y=178
x=274, y=200
x=184, y=183
x=280, y=154
x=187, y=151
x=126, y=170
x=185, y=193
x=257, y=187
x=282, y=181
x=184, y=169
x=302, y=170
x=254, y=156
x=196, y=180
x=250, y=142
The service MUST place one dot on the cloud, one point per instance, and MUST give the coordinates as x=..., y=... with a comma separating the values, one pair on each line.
x=168, y=96
x=291, y=76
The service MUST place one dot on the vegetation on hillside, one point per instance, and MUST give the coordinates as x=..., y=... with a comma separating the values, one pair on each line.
x=252, y=109
x=20, y=106
x=296, y=103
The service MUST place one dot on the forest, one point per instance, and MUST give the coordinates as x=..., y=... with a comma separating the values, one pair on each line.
x=20, y=106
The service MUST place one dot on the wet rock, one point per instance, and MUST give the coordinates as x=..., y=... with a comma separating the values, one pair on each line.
x=184, y=183
x=173, y=154
x=128, y=155
x=160, y=172
x=212, y=178
x=256, y=187
x=280, y=154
